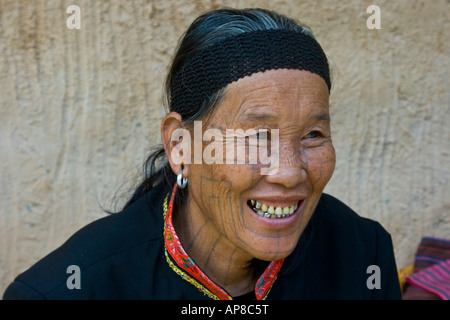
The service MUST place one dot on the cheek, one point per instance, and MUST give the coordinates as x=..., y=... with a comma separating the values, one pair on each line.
x=217, y=189
x=321, y=163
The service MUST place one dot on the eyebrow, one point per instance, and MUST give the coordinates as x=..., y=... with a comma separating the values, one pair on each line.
x=260, y=116
x=268, y=116
x=322, y=117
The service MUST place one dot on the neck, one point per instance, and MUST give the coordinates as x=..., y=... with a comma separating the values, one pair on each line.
x=224, y=263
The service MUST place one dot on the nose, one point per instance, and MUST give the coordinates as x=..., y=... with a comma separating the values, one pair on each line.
x=292, y=169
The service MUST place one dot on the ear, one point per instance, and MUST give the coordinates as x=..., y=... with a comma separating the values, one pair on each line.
x=177, y=143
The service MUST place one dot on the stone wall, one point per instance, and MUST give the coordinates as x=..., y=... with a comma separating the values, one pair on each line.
x=80, y=108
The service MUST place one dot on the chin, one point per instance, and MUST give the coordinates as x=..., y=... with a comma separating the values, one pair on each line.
x=271, y=249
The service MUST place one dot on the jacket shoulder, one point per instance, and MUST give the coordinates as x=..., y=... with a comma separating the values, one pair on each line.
x=97, y=243
x=340, y=216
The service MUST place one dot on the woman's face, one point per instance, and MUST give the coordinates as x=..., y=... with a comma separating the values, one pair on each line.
x=264, y=214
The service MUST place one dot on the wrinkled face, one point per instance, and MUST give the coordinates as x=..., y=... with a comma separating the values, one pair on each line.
x=264, y=214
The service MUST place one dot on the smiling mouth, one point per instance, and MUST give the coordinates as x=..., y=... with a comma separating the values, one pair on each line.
x=272, y=212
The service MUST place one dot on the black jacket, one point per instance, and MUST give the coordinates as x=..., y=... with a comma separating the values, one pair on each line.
x=121, y=256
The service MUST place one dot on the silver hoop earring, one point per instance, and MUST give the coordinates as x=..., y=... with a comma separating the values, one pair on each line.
x=181, y=182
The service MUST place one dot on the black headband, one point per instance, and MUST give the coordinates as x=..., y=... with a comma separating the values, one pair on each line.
x=216, y=66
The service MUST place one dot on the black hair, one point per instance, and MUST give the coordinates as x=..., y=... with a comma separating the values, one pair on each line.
x=208, y=29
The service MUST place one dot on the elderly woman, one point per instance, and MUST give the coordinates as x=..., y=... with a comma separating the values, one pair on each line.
x=225, y=222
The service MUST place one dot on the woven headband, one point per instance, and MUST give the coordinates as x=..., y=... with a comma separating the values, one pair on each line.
x=216, y=66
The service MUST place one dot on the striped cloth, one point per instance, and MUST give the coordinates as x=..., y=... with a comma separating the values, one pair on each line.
x=431, y=277
x=435, y=279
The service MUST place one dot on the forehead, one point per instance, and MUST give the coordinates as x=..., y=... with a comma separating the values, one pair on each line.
x=276, y=93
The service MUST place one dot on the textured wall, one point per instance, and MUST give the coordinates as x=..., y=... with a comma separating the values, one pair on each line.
x=79, y=109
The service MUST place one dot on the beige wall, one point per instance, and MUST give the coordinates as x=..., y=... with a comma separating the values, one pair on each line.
x=79, y=108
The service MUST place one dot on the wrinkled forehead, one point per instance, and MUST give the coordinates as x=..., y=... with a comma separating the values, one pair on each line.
x=274, y=95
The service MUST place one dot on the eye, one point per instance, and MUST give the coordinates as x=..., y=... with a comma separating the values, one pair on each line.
x=262, y=137
x=314, y=134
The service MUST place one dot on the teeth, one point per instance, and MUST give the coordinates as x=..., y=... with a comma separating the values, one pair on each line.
x=264, y=210
x=264, y=207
